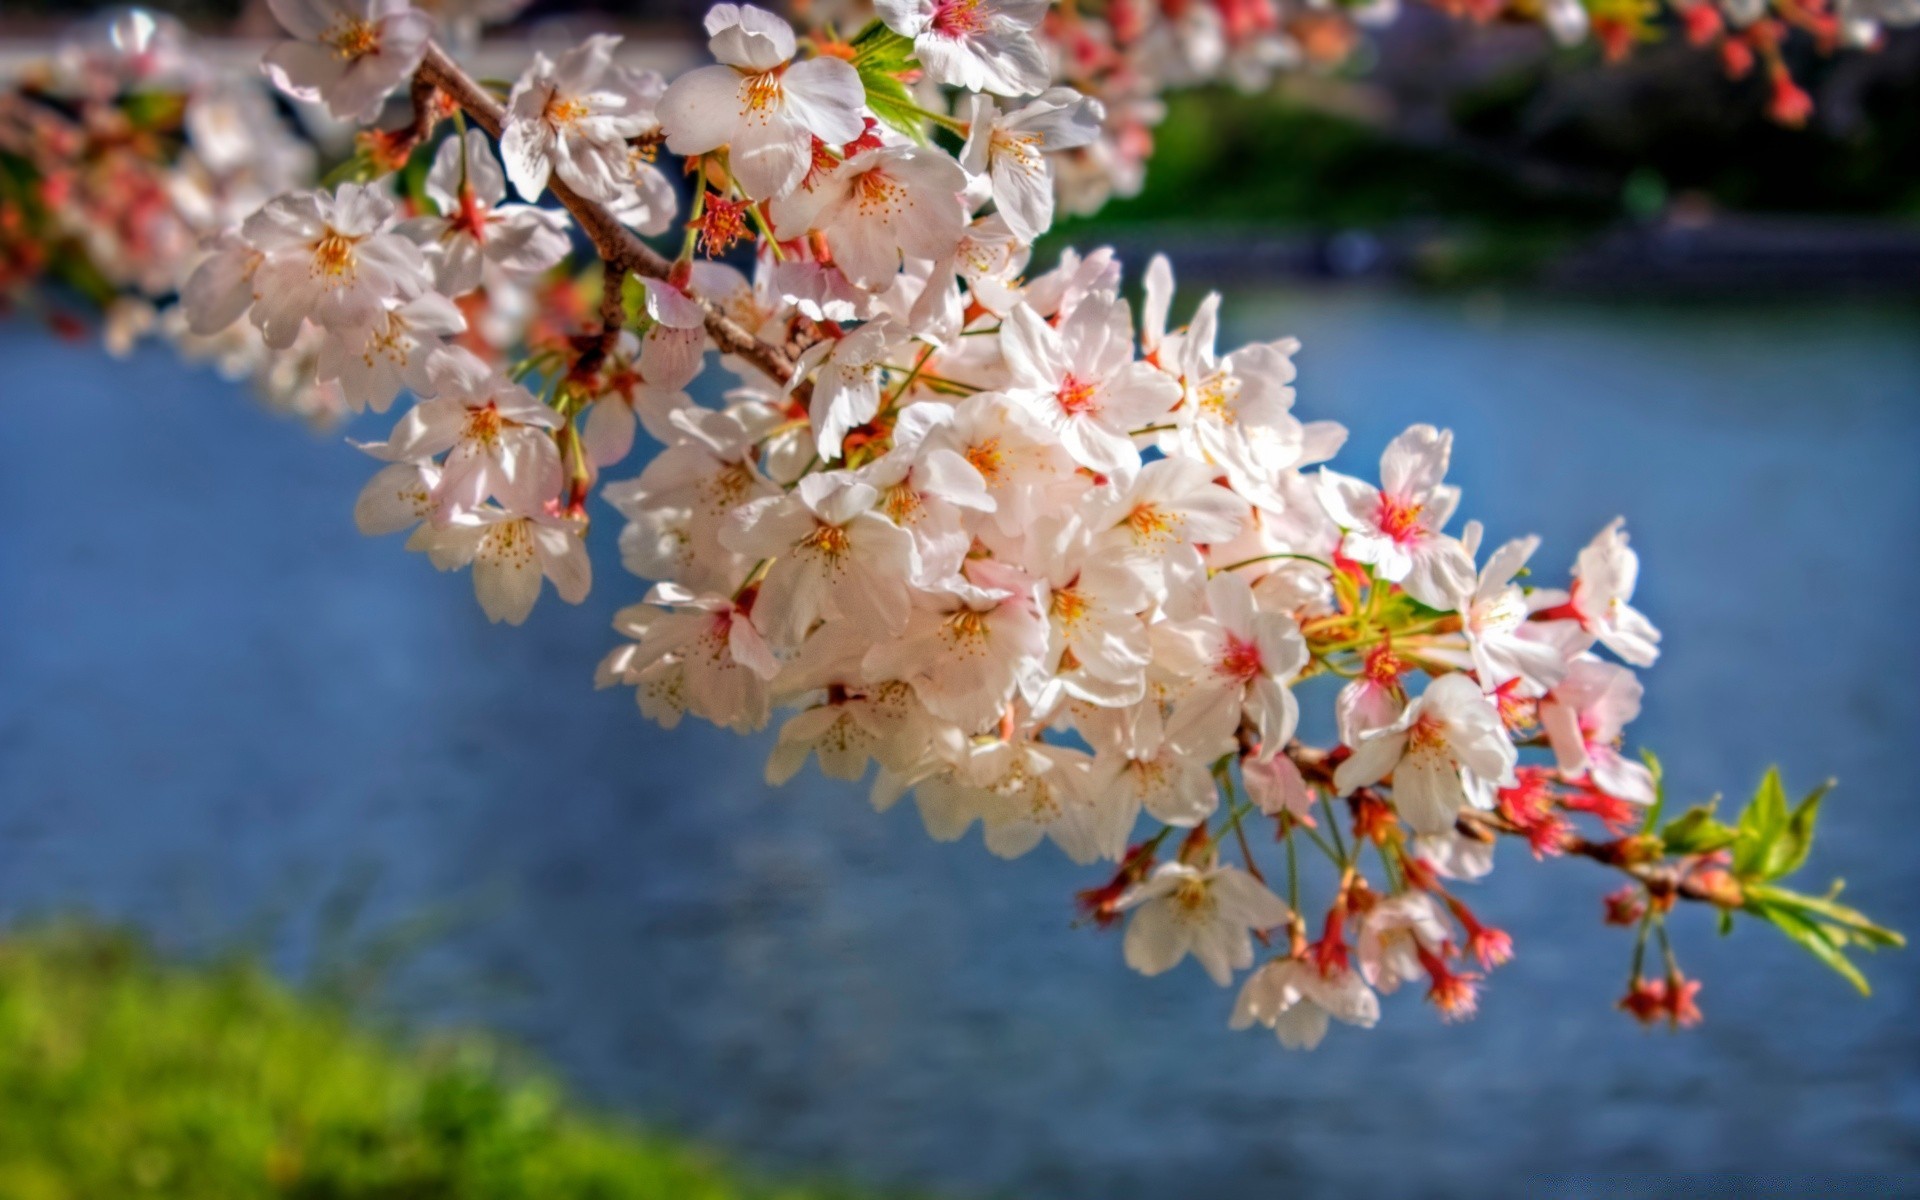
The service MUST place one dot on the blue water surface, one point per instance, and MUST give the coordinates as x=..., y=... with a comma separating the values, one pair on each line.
x=218, y=702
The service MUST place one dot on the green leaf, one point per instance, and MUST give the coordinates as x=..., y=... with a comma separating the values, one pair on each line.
x=878, y=48
x=890, y=100
x=880, y=55
x=633, y=300
x=1764, y=820
x=1659, y=804
x=1789, y=850
x=1818, y=939
x=1852, y=924
x=1697, y=832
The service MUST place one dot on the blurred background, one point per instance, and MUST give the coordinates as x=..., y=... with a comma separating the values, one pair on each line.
x=228, y=721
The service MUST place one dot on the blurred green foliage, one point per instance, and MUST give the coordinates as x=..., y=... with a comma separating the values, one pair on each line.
x=1226, y=157
x=124, y=1077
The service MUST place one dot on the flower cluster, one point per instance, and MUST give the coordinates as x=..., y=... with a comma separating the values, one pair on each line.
x=1056, y=566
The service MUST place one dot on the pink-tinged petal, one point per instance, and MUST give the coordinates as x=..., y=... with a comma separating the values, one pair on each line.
x=1155, y=940
x=581, y=67
x=1032, y=350
x=905, y=17
x=304, y=18
x=702, y=108
x=564, y=560
x=770, y=154
x=220, y=290
x=1415, y=462
x=506, y=575
x=393, y=500
x=1372, y=760
x=1427, y=792
x=746, y=36
x=304, y=70
x=826, y=97
x=607, y=433
x=527, y=148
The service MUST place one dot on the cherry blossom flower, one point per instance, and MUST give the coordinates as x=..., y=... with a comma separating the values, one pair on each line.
x=510, y=555
x=1013, y=152
x=474, y=230
x=1236, y=662
x=334, y=260
x=720, y=662
x=1080, y=382
x=1503, y=647
x=1026, y=792
x=495, y=436
x=1171, y=781
x=648, y=376
x=1206, y=912
x=929, y=490
x=1396, y=527
x=967, y=646
x=846, y=385
x=1603, y=581
x=347, y=54
x=373, y=364
x=1447, y=751
x=1584, y=717
x=763, y=108
x=1296, y=1000
x=1394, y=935
x=979, y=45
x=832, y=555
x=876, y=207
x=572, y=118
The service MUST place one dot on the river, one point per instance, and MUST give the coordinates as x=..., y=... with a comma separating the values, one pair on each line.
x=218, y=703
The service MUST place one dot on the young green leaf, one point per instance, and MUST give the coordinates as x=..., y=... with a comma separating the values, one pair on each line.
x=1764, y=820
x=889, y=100
x=1697, y=832
x=1789, y=850
x=1816, y=937
x=1659, y=804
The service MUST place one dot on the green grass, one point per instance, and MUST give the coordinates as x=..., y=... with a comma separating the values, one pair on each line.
x=122, y=1076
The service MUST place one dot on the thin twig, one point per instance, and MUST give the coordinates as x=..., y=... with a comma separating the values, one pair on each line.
x=617, y=245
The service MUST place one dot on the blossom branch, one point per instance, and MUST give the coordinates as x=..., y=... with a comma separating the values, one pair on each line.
x=619, y=247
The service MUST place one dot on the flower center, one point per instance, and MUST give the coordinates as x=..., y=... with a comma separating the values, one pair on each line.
x=1193, y=898
x=876, y=189
x=333, y=254
x=508, y=544
x=1428, y=734
x=1076, y=396
x=1069, y=605
x=902, y=505
x=483, y=425
x=1151, y=523
x=1240, y=659
x=563, y=111
x=830, y=540
x=967, y=625
x=958, y=18
x=1217, y=394
x=353, y=38
x=1398, y=519
x=763, y=91
x=987, y=458
x=1022, y=150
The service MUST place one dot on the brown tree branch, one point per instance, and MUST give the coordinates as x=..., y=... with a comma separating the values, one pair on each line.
x=618, y=246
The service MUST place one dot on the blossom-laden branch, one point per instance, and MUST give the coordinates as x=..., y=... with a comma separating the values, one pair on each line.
x=1056, y=567
x=616, y=245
